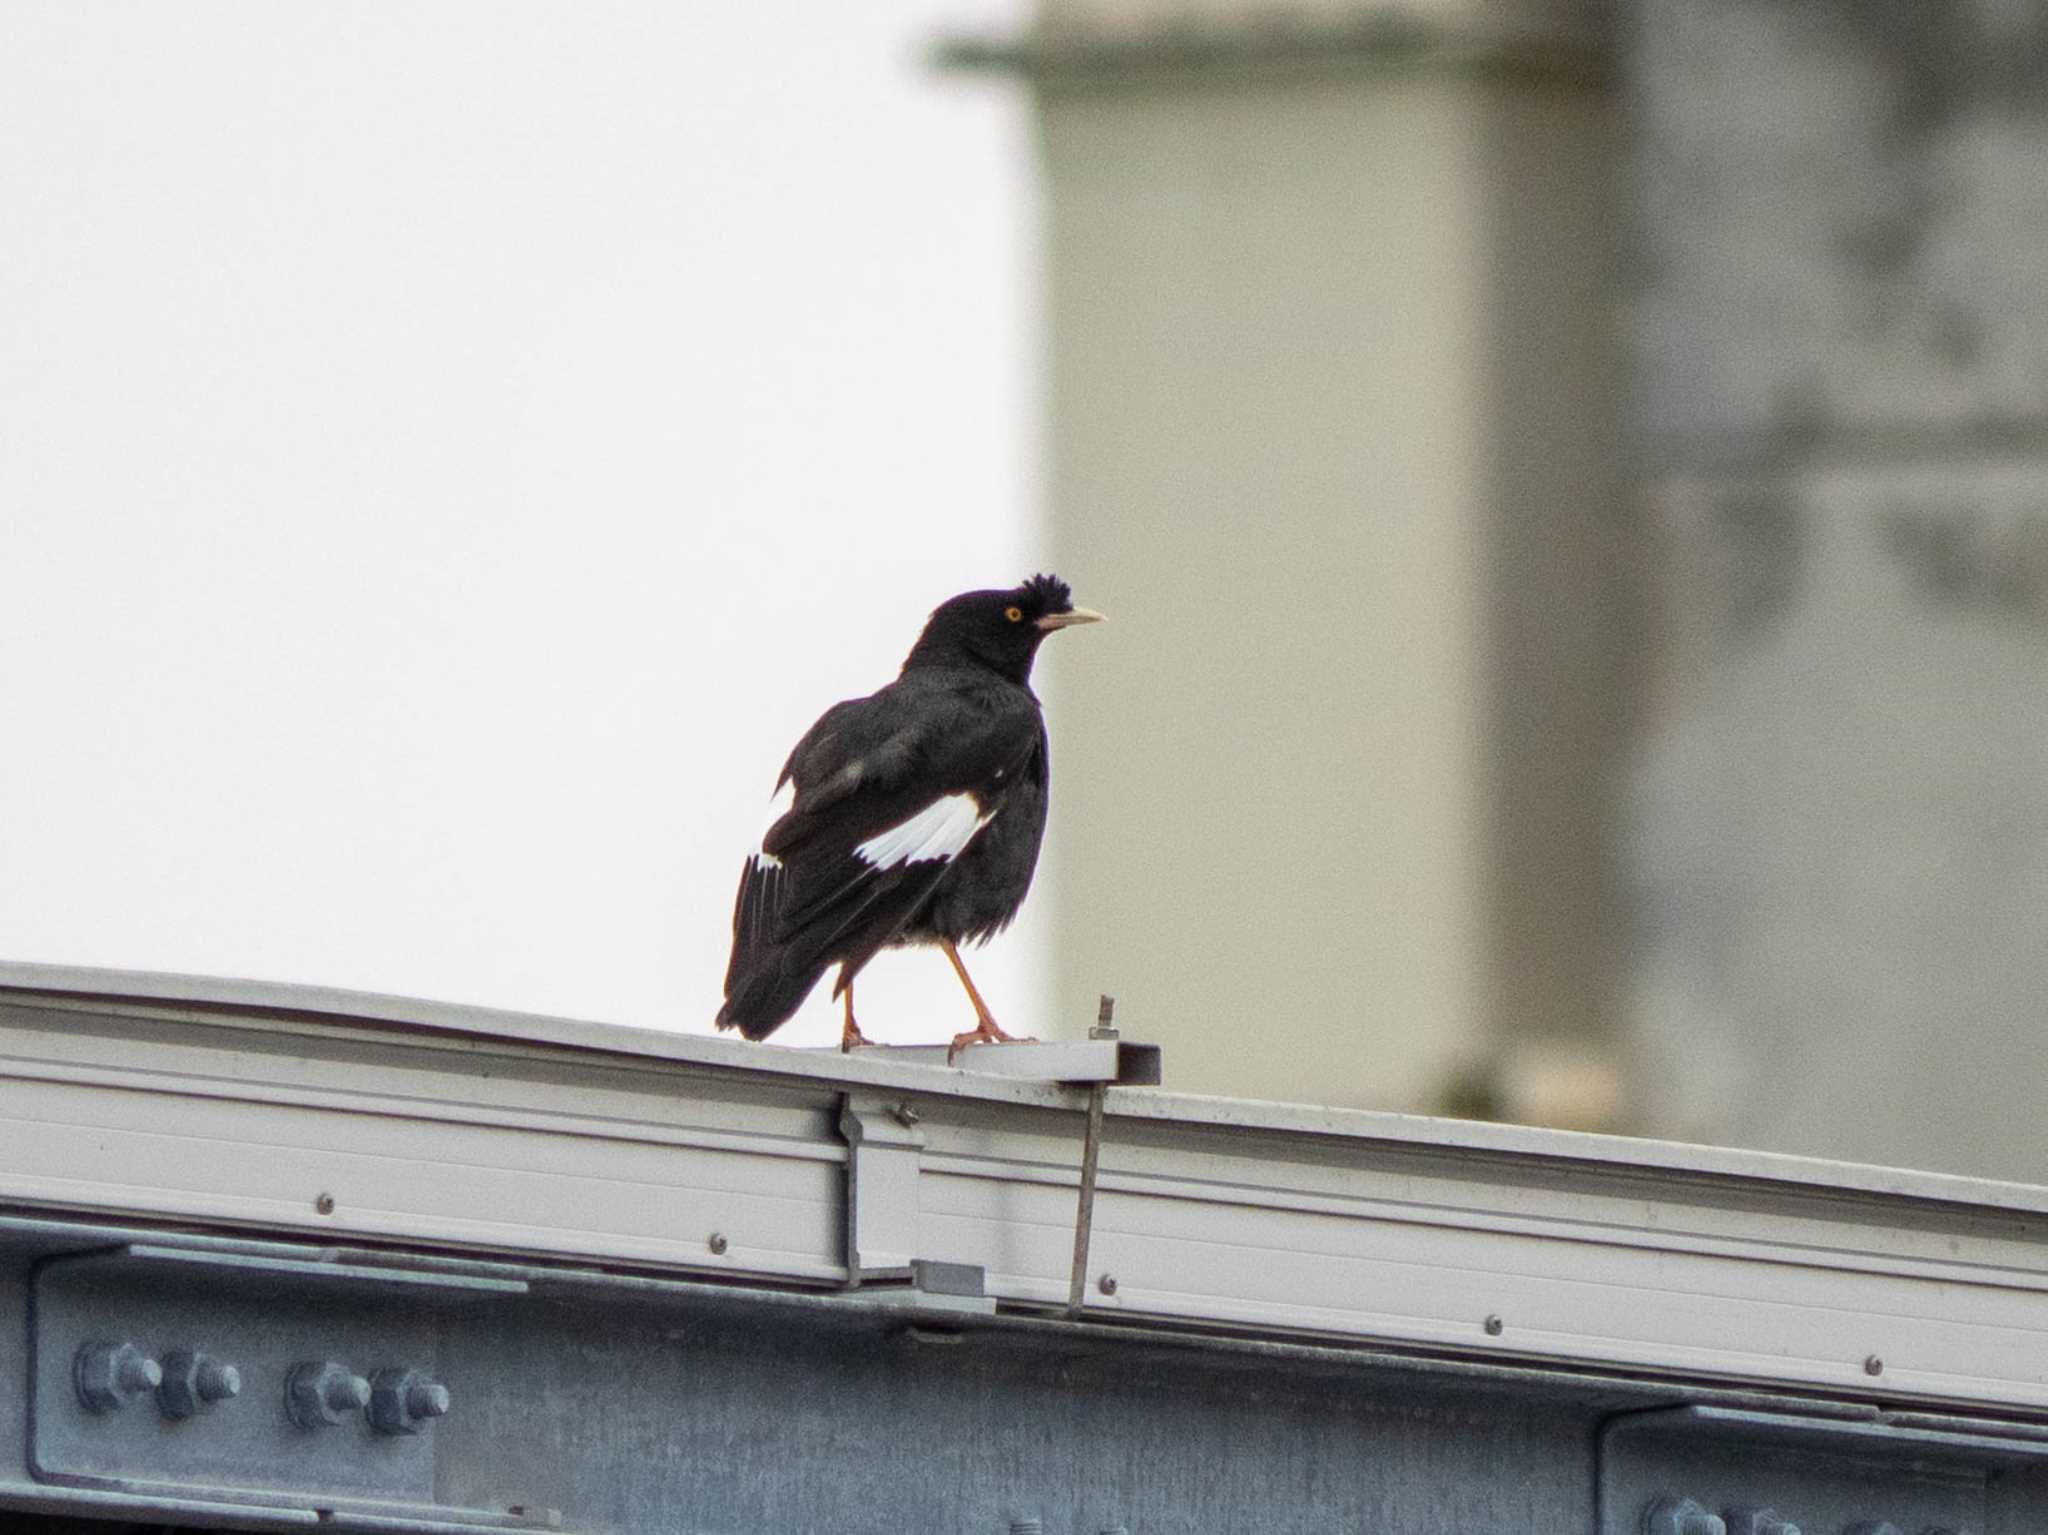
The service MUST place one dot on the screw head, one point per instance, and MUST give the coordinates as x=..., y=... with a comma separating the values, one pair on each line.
x=324, y=1204
x=1873, y=1366
x=1106, y=1284
x=320, y=1394
x=1493, y=1325
x=106, y=1375
x=192, y=1381
x=402, y=1401
x=718, y=1244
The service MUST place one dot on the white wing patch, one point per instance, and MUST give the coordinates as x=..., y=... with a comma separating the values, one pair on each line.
x=940, y=830
x=778, y=807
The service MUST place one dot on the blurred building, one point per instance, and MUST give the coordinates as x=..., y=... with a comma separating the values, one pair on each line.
x=1501, y=717
x=1841, y=398
x=1332, y=437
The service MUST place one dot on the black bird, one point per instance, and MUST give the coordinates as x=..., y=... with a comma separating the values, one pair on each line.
x=912, y=815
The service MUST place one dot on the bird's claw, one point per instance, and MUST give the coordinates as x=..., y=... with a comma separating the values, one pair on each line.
x=851, y=1039
x=984, y=1033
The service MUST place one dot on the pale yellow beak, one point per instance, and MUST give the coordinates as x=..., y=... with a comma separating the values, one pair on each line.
x=1069, y=618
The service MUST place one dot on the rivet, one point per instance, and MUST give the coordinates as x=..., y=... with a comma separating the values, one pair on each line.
x=1873, y=1366
x=1106, y=1284
x=718, y=1244
x=1493, y=1326
x=324, y=1204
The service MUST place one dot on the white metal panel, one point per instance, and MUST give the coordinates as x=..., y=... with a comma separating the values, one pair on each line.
x=573, y=1163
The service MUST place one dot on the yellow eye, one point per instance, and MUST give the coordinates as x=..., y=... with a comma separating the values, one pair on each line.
x=1014, y=615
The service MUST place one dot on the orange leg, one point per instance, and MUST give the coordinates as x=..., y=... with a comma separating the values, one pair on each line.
x=986, y=1031
x=849, y=1032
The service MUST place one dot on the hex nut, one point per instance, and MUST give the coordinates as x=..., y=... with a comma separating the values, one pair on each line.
x=1758, y=1521
x=193, y=1381
x=320, y=1394
x=1681, y=1516
x=108, y=1374
x=404, y=1401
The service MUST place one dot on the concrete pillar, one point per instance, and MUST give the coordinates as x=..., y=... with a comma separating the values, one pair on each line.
x=1331, y=416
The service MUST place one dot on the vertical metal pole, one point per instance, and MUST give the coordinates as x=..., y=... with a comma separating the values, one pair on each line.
x=1091, y=1151
x=1084, y=1216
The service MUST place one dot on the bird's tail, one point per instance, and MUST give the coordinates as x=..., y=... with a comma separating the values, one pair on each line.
x=768, y=979
x=762, y=1002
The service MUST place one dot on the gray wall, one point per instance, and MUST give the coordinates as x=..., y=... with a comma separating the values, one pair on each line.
x=1840, y=836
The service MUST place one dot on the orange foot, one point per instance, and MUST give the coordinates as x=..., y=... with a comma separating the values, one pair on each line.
x=984, y=1033
x=850, y=1035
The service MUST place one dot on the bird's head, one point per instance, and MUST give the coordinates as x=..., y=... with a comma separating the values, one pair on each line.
x=1001, y=630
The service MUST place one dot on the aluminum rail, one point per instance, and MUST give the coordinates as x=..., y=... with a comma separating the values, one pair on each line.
x=291, y=1109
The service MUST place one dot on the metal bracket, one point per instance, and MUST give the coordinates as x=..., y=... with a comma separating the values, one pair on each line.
x=884, y=1147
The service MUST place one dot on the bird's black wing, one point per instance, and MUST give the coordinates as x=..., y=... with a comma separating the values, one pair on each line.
x=885, y=792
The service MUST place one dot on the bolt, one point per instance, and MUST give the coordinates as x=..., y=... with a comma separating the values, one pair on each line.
x=1681, y=1516
x=1873, y=1366
x=319, y=1394
x=108, y=1374
x=1105, y=1018
x=718, y=1244
x=192, y=1381
x=906, y=1116
x=1030, y=1524
x=402, y=1400
x=324, y=1204
x=1106, y=1284
x=1493, y=1326
x=1758, y=1521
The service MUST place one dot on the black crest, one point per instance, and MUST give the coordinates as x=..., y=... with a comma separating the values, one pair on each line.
x=1047, y=594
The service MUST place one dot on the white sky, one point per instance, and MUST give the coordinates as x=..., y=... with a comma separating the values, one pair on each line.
x=449, y=452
